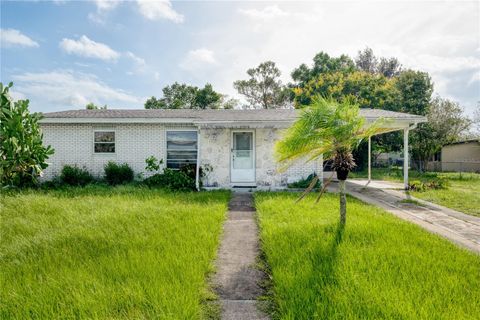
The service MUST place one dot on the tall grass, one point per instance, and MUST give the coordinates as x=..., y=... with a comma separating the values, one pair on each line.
x=377, y=267
x=102, y=252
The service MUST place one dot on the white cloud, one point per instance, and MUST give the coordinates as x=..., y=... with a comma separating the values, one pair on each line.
x=62, y=89
x=17, y=95
x=444, y=42
x=269, y=12
x=85, y=47
x=138, y=61
x=138, y=65
x=96, y=17
x=159, y=9
x=14, y=38
x=106, y=5
x=197, y=59
x=474, y=78
x=103, y=7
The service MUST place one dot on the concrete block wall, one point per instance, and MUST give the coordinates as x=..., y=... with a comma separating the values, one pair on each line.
x=74, y=145
x=216, y=146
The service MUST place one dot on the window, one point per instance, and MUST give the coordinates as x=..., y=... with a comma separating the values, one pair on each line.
x=181, y=148
x=104, y=142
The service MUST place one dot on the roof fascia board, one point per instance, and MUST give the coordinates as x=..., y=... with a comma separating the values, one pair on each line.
x=116, y=120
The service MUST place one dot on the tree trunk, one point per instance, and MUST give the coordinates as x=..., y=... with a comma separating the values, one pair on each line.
x=343, y=202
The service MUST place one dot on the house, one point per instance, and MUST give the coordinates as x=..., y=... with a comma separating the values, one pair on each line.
x=237, y=144
x=463, y=156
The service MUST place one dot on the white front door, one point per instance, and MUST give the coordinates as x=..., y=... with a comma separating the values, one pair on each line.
x=243, y=157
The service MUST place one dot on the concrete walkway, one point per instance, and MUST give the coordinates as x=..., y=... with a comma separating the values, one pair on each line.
x=237, y=279
x=456, y=226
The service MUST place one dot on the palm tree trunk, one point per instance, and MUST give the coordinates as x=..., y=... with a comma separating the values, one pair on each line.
x=343, y=202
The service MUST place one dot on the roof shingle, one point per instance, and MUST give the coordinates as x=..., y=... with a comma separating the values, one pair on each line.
x=211, y=115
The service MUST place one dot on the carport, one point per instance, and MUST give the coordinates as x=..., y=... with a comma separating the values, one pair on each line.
x=394, y=121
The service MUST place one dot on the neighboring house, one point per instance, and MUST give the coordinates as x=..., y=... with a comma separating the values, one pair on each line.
x=237, y=144
x=461, y=156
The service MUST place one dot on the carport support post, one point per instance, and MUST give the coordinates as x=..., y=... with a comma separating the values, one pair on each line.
x=197, y=167
x=369, y=159
x=405, y=158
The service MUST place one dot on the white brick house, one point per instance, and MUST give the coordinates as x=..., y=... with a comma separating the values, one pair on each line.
x=237, y=144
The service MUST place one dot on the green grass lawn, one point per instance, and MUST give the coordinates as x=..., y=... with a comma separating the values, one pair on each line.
x=108, y=253
x=378, y=267
x=462, y=193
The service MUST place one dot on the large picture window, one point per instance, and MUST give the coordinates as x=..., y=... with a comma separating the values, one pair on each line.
x=104, y=142
x=181, y=148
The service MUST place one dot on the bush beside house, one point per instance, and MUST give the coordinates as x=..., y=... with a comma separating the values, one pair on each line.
x=171, y=179
x=75, y=176
x=118, y=173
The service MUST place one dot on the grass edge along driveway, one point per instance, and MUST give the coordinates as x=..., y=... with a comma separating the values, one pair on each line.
x=378, y=267
x=101, y=252
x=461, y=193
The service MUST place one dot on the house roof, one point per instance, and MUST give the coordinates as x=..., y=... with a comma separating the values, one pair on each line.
x=202, y=116
x=463, y=142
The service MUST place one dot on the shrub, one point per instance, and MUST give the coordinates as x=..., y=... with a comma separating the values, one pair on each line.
x=171, y=179
x=416, y=185
x=153, y=164
x=420, y=186
x=118, y=173
x=75, y=176
x=22, y=153
x=305, y=182
x=191, y=171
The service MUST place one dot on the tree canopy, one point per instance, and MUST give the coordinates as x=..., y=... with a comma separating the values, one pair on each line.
x=446, y=123
x=263, y=89
x=322, y=64
x=184, y=96
x=368, y=62
x=92, y=106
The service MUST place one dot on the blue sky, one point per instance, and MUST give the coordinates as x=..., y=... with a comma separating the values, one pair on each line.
x=63, y=54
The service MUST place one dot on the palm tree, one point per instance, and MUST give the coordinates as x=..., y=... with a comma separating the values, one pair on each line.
x=329, y=128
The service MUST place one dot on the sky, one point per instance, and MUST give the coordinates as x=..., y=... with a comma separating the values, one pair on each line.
x=63, y=54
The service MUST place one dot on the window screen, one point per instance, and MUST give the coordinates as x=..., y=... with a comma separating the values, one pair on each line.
x=104, y=142
x=181, y=148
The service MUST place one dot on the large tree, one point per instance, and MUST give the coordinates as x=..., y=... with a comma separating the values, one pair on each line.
x=263, y=90
x=410, y=92
x=330, y=129
x=476, y=120
x=322, y=64
x=446, y=123
x=414, y=92
x=207, y=98
x=368, y=62
x=366, y=89
x=389, y=67
x=22, y=153
x=183, y=96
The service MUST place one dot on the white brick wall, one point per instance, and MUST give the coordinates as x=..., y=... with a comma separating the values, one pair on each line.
x=73, y=144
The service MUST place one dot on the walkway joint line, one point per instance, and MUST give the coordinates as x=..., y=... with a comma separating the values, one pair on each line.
x=237, y=280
